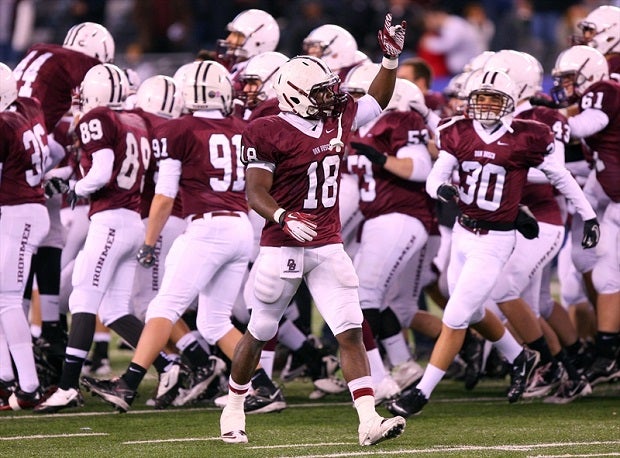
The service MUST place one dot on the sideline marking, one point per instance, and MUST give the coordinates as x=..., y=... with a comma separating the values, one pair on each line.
x=51, y=436
x=160, y=441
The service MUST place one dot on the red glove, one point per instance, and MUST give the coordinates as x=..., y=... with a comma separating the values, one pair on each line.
x=299, y=225
x=392, y=38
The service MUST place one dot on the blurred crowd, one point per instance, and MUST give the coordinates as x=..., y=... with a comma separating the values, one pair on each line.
x=446, y=33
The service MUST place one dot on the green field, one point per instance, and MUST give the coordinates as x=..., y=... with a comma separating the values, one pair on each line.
x=455, y=423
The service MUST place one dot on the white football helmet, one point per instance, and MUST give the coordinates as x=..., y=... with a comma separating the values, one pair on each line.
x=260, y=31
x=576, y=69
x=91, y=39
x=494, y=99
x=306, y=86
x=524, y=69
x=259, y=74
x=8, y=87
x=104, y=85
x=160, y=95
x=601, y=29
x=406, y=97
x=358, y=79
x=207, y=86
x=478, y=61
x=335, y=45
x=361, y=58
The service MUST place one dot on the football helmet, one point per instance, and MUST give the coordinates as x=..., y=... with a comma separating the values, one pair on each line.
x=160, y=95
x=335, y=45
x=524, y=69
x=478, y=61
x=207, y=86
x=306, y=86
x=575, y=70
x=601, y=29
x=104, y=85
x=358, y=79
x=259, y=33
x=257, y=77
x=8, y=87
x=455, y=93
x=493, y=100
x=406, y=97
x=91, y=39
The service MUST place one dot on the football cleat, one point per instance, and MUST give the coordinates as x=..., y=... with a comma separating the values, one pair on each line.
x=264, y=401
x=330, y=385
x=169, y=385
x=410, y=402
x=570, y=390
x=472, y=354
x=19, y=400
x=545, y=379
x=99, y=367
x=386, y=389
x=293, y=368
x=407, y=373
x=60, y=399
x=522, y=369
x=379, y=429
x=200, y=380
x=6, y=390
x=602, y=370
x=115, y=392
x=232, y=426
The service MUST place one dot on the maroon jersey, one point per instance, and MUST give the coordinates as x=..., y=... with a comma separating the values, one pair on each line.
x=540, y=198
x=212, y=175
x=150, y=175
x=605, y=96
x=382, y=192
x=126, y=134
x=492, y=175
x=613, y=60
x=307, y=172
x=267, y=108
x=23, y=151
x=51, y=73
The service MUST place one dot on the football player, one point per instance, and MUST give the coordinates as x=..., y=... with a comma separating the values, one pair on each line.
x=292, y=181
x=581, y=75
x=492, y=153
x=24, y=154
x=115, y=153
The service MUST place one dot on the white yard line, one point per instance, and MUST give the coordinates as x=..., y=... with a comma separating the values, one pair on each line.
x=50, y=436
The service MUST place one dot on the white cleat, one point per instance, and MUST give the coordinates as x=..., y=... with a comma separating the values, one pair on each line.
x=407, y=373
x=331, y=385
x=232, y=426
x=386, y=389
x=379, y=429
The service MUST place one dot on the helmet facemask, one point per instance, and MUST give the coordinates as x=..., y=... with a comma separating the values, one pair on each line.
x=326, y=99
x=489, y=106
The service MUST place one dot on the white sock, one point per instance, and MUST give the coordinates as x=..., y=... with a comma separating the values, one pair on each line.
x=508, y=346
x=267, y=358
x=377, y=370
x=431, y=378
x=396, y=349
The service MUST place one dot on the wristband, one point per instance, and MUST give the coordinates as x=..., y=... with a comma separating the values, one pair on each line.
x=278, y=214
x=388, y=63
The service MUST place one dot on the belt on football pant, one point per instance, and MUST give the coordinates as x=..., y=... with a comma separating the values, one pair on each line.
x=482, y=226
x=214, y=214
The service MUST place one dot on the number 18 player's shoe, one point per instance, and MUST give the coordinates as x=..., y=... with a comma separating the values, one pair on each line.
x=379, y=429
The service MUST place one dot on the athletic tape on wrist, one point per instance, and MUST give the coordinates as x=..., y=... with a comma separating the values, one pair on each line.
x=278, y=214
x=388, y=63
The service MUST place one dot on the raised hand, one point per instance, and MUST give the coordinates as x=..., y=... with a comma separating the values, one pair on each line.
x=392, y=37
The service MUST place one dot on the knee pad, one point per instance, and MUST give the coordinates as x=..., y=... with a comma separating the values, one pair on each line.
x=605, y=280
x=84, y=301
x=458, y=317
x=213, y=327
x=263, y=324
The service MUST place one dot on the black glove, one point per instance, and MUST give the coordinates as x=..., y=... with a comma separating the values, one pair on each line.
x=55, y=186
x=544, y=102
x=372, y=154
x=591, y=233
x=526, y=223
x=146, y=256
x=72, y=198
x=447, y=192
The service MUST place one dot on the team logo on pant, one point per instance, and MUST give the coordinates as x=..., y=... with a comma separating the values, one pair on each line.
x=22, y=253
x=104, y=254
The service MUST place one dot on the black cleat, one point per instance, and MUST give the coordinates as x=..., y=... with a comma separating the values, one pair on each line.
x=114, y=392
x=410, y=402
x=522, y=369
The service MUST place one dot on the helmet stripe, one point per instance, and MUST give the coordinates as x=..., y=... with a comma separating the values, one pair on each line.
x=73, y=33
x=113, y=85
x=166, y=90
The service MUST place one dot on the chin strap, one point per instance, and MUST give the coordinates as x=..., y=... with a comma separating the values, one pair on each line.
x=336, y=143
